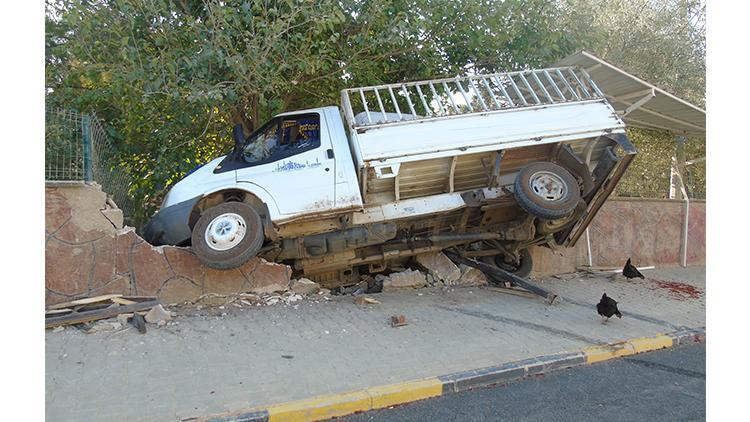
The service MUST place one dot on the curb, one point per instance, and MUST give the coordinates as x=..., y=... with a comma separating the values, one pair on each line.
x=329, y=406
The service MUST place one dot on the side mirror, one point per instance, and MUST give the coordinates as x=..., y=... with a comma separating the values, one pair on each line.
x=239, y=137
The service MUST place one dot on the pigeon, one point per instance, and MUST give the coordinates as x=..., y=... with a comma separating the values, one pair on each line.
x=630, y=271
x=607, y=307
x=138, y=322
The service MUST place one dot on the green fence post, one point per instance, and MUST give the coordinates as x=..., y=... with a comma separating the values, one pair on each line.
x=88, y=173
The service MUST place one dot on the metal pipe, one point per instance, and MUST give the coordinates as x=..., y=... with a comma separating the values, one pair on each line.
x=686, y=201
x=458, y=237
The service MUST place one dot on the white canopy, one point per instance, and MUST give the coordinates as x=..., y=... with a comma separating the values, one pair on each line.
x=638, y=102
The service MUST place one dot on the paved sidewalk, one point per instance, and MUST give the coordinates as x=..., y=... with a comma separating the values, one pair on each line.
x=207, y=365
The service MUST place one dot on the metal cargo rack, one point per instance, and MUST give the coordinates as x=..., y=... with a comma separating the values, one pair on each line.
x=393, y=103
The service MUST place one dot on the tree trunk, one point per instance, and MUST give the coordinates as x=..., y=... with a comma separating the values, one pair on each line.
x=238, y=115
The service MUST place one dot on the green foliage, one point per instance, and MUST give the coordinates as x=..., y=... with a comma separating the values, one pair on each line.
x=649, y=173
x=170, y=78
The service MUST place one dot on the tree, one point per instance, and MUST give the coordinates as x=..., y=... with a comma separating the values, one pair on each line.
x=170, y=78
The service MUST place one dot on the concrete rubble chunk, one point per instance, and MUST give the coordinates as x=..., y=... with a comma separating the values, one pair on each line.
x=304, y=286
x=409, y=279
x=158, y=314
x=439, y=266
x=104, y=325
x=471, y=276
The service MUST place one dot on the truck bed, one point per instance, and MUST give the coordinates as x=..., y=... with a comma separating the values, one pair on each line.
x=441, y=136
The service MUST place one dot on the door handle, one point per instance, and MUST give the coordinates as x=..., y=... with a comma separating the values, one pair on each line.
x=329, y=153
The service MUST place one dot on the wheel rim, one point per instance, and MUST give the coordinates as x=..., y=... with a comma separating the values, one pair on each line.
x=548, y=186
x=225, y=231
x=511, y=268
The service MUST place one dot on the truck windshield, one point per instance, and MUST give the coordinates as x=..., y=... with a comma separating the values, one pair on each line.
x=283, y=137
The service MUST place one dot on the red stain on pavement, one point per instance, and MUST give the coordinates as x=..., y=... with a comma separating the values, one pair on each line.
x=679, y=290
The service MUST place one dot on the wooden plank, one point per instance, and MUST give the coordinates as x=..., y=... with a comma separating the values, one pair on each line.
x=58, y=311
x=140, y=298
x=122, y=301
x=83, y=301
x=511, y=291
x=86, y=316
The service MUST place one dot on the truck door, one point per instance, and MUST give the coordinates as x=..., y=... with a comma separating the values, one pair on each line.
x=289, y=157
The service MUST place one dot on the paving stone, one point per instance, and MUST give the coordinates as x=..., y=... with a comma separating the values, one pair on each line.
x=409, y=279
x=304, y=286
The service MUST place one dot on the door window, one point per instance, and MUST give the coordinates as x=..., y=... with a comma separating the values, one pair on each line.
x=283, y=137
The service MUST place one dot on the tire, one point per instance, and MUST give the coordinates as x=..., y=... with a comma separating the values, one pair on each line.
x=215, y=235
x=546, y=190
x=522, y=270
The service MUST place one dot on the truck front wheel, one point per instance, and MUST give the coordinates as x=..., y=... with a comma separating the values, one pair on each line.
x=227, y=235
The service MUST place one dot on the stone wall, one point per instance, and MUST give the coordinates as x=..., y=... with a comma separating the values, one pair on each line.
x=648, y=230
x=88, y=253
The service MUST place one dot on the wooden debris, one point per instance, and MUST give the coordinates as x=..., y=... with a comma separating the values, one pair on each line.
x=365, y=300
x=123, y=301
x=94, y=304
x=87, y=316
x=84, y=301
x=511, y=291
x=608, y=270
x=58, y=311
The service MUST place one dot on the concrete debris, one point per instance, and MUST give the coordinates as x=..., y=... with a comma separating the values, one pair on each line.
x=365, y=300
x=158, y=314
x=123, y=318
x=58, y=329
x=104, y=325
x=439, y=266
x=398, y=321
x=409, y=279
x=304, y=286
x=471, y=276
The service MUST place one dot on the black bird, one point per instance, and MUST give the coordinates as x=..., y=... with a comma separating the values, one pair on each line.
x=607, y=307
x=138, y=322
x=629, y=271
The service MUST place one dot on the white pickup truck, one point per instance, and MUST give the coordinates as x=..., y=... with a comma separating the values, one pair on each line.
x=487, y=164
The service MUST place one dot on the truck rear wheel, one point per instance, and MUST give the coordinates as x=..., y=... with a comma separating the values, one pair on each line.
x=521, y=269
x=546, y=190
x=227, y=235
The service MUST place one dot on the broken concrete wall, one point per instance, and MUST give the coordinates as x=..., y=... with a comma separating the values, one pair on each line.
x=88, y=252
x=648, y=230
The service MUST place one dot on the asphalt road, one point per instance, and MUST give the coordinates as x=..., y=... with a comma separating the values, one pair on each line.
x=667, y=385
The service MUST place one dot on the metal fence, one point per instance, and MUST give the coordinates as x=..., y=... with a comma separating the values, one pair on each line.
x=77, y=148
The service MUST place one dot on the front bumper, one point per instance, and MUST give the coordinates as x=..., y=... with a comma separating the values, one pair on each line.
x=171, y=225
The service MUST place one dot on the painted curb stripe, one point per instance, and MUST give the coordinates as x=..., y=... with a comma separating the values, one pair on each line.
x=329, y=406
x=625, y=348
